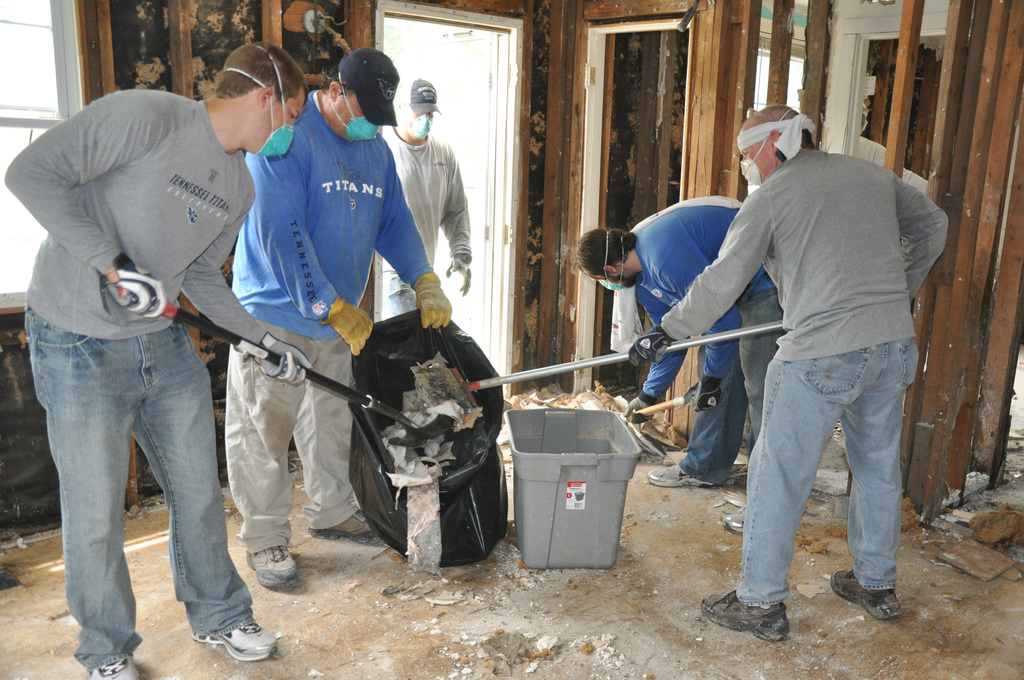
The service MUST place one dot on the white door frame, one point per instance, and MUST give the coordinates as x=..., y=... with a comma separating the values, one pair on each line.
x=499, y=290
x=592, y=130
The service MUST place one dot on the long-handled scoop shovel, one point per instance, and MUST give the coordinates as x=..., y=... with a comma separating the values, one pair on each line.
x=415, y=435
x=622, y=356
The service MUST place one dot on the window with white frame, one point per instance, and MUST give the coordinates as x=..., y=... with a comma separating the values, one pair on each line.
x=39, y=87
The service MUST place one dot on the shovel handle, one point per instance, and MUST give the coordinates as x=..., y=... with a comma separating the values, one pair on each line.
x=344, y=391
x=678, y=402
x=623, y=356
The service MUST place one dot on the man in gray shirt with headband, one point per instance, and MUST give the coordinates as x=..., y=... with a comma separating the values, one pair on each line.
x=143, y=194
x=828, y=230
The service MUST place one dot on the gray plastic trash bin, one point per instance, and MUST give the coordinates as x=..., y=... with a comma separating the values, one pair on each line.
x=571, y=472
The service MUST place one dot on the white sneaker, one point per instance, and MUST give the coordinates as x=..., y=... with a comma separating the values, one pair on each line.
x=672, y=476
x=122, y=669
x=274, y=567
x=248, y=642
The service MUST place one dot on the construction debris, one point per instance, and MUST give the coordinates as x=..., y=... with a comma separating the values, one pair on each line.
x=976, y=559
x=998, y=528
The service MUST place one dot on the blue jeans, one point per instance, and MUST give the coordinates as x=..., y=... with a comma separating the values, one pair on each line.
x=96, y=393
x=717, y=433
x=757, y=351
x=863, y=390
x=399, y=296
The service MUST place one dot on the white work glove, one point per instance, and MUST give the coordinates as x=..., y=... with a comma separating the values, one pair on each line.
x=135, y=290
x=292, y=364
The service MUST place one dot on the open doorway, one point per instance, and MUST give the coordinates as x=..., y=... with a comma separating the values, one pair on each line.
x=473, y=62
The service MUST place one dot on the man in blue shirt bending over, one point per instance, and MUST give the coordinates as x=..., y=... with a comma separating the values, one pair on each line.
x=660, y=258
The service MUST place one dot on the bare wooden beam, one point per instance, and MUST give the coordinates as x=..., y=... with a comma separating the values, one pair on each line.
x=880, y=99
x=603, y=10
x=180, y=25
x=903, y=88
x=96, y=50
x=358, y=30
x=273, y=30
x=781, y=51
x=997, y=381
x=646, y=176
x=816, y=38
x=744, y=36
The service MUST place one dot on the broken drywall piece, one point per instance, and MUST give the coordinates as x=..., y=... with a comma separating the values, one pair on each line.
x=976, y=559
x=809, y=590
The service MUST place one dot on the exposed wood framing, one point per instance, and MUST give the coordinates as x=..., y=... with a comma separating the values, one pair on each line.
x=615, y=10
x=883, y=70
x=925, y=122
x=517, y=361
x=180, y=24
x=358, y=30
x=649, y=132
x=996, y=391
x=781, y=51
x=816, y=37
x=708, y=96
x=965, y=349
x=562, y=183
x=96, y=50
x=602, y=210
x=273, y=28
x=743, y=34
x=903, y=87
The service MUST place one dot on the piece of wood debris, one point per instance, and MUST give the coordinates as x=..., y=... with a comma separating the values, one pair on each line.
x=976, y=559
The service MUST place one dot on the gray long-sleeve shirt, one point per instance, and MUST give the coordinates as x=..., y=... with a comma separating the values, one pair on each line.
x=827, y=228
x=140, y=173
x=432, y=183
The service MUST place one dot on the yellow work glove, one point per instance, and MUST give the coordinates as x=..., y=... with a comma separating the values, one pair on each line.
x=435, y=310
x=351, y=323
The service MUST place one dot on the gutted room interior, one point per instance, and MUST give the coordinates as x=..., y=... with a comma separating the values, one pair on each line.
x=569, y=115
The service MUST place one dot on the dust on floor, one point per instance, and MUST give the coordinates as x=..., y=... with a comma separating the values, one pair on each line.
x=638, y=619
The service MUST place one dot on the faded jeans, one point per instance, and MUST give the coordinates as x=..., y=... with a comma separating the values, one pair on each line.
x=96, y=393
x=863, y=390
x=757, y=351
x=717, y=433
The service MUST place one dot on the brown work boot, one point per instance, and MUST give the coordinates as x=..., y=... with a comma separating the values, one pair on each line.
x=355, y=528
x=880, y=603
x=767, y=624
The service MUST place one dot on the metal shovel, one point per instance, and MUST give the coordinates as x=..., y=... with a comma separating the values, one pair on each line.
x=623, y=356
x=415, y=435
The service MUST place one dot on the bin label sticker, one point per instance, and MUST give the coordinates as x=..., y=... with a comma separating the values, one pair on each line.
x=575, y=495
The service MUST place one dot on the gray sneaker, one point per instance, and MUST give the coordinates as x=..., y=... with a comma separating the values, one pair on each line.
x=122, y=669
x=673, y=476
x=248, y=642
x=355, y=529
x=274, y=567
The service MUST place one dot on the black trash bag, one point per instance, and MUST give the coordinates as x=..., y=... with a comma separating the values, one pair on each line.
x=474, y=498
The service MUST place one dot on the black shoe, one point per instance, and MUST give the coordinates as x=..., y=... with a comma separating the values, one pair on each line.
x=767, y=624
x=881, y=604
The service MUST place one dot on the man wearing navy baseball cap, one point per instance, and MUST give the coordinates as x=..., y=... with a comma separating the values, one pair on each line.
x=301, y=265
x=433, y=189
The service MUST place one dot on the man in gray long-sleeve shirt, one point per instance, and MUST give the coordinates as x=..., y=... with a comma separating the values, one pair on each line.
x=828, y=229
x=143, y=194
x=433, y=188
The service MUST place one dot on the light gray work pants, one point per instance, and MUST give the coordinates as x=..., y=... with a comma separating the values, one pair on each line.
x=262, y=417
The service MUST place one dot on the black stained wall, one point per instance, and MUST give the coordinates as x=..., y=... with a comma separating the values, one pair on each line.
x=623, y=173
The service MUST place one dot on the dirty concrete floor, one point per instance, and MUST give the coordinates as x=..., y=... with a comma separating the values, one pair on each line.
x=638, y=619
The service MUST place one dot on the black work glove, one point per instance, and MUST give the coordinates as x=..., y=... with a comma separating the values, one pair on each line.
x=709, y=395
x=649, y=346
x=642, y=400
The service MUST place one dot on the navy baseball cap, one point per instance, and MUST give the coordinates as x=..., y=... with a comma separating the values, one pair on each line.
x=423, y=97
x=373, y=77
